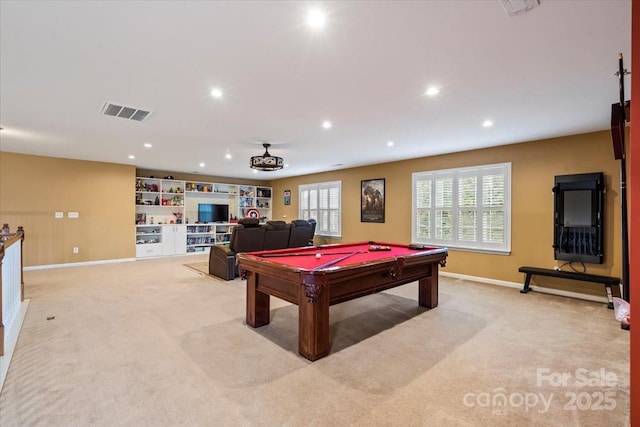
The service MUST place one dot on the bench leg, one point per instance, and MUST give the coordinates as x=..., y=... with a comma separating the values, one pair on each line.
x=526, y=288
x=609, y=296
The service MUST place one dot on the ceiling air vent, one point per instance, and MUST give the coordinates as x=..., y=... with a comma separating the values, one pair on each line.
x=130, y=113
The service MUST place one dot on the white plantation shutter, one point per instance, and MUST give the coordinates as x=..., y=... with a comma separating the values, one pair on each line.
x=444, y=207
x=467, y=208
x=422, y=202
x=323, y=203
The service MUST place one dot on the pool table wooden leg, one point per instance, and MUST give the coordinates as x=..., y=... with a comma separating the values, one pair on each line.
x=428, y=289
x=258, y=303
x=313, y=325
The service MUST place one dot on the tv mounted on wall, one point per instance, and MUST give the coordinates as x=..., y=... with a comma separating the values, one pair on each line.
x=578, y=218
x=208, y=212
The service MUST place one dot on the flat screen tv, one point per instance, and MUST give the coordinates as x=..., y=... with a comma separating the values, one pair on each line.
x=208, y=212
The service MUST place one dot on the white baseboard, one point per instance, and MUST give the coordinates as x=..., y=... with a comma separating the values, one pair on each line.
x=540, y=289
x=78, y=264
x=10, y=341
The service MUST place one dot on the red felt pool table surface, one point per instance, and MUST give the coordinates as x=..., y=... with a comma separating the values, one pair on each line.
x=341, y=273
x=356, y=253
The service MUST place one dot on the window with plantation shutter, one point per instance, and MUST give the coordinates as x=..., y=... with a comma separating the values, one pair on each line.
x=322, y=202
x=466, y=208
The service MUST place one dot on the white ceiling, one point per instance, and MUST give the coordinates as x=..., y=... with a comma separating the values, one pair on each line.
x=545, y=73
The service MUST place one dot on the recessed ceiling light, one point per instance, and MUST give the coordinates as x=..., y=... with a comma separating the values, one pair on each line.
x=201, y=165
x=316, y=19
x=432, y=91
x=131, y=156
x=147, y=145
x=327, y=124
x=216, y=93
x=227, y=156
x=487, y=123
x=390, y=144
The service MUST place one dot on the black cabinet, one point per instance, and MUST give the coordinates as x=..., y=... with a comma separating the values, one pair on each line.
x=578, y=218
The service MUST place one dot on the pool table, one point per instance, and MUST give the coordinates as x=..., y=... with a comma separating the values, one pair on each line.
x=315, y=278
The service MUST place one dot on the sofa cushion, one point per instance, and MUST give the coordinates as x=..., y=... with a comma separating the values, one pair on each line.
x=276, y=235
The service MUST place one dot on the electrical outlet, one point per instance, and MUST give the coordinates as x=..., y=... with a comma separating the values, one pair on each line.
x=75, y=250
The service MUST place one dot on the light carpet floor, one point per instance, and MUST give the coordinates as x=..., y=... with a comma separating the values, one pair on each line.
x=156, y=343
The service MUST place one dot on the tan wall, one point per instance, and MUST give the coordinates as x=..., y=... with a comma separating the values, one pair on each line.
x=534, y=166
x=33, y=188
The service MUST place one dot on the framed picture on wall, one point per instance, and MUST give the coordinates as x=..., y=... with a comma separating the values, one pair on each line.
x=287, y=197
x=372, y=200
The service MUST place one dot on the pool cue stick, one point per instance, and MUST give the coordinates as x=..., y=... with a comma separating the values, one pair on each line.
x=335, y=261
x=302, y=254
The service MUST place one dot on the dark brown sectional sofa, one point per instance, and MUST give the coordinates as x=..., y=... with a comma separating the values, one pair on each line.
x=250, y=236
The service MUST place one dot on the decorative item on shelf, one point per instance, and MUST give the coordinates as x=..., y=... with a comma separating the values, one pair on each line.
x=5, y=229
x=168, y=177
x=253, y=213
x=157, y=202
x=139, y=185
x=154, y=188
x=266, y=162
x=141, y=218
x=178, y=216
x=151, y=220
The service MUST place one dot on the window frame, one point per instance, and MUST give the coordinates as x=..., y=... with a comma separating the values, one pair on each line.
x=325, y=220
x=478, y=212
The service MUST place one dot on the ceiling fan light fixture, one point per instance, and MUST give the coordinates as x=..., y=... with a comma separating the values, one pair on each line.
x=266, y=162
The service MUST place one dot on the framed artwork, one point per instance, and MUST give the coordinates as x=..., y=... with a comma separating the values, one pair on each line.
x=372, y=200
x=287, y=197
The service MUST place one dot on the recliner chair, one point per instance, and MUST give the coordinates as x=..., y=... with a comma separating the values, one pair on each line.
x=302, y=232
x=247, y=236
x=276, y=235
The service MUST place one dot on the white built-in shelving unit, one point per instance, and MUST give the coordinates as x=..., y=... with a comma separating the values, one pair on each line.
x=167, y=214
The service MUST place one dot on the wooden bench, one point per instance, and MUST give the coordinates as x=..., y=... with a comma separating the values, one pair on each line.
x=607, y=281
